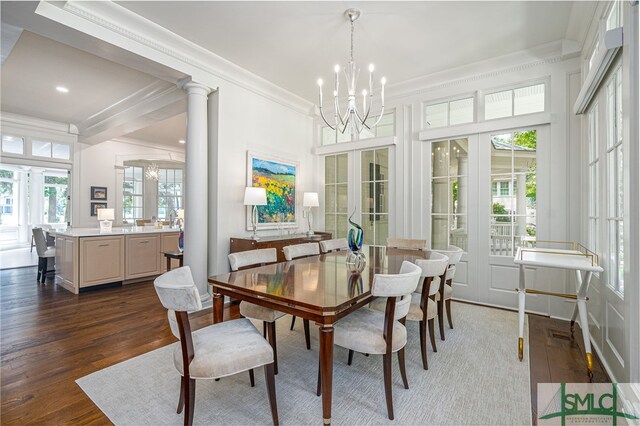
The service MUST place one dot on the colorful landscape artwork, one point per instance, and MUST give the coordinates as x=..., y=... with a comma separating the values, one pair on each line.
x=279, y=179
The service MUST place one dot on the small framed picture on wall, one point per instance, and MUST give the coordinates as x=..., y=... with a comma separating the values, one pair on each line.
x=98, y=193
x=96, y=206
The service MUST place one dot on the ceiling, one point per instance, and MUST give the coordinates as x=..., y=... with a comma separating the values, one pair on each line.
x=292, y=44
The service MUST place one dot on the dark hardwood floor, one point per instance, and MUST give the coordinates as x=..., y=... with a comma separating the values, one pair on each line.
x=49, y=338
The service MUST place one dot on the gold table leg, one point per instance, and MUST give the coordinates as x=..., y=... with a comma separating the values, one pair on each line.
x=521, y=348
x=590, y=366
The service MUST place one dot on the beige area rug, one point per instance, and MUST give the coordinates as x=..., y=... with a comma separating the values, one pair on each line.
x=474, y=378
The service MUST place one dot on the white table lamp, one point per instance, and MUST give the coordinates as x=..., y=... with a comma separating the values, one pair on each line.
x=105, y=216
x=255, y=197
x=309, y=200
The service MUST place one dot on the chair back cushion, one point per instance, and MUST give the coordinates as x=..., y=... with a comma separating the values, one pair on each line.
x=40, y=241
x=177, y=291
x=402, y=243
x=301, y=250
x=398, y=285
x=252, y=257
x=434, y=266
x=335, y=244
x=454, y=253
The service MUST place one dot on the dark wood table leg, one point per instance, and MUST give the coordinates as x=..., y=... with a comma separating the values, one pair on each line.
x=218, y=307
x=168, y=263
x=326, y=367
x=181, y=261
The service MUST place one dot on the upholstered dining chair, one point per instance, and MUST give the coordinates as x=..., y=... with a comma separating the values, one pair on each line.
x=373, y=332
x=408, y=244
x=44, y=253
x=293, y=252
x=51, y=241
x=336, y=244
x=301, y=250
x=446, y=286
x=215, y=351
x=249, y=259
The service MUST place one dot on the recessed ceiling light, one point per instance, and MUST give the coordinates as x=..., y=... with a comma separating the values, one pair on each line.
x=62, y=89
x=181, y=141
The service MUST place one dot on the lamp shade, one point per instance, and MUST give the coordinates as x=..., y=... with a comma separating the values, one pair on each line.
x=106, y=214
x=255, y=196
x=180, y=214
x=310, y=199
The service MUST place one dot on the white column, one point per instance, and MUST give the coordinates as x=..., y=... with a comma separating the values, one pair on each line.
x=196, y=185
x=23, y=206
x=36, y=196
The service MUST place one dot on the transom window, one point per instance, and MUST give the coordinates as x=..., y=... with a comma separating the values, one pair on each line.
x=518, y=101
x=449, y=113
x=48, y=149
x=12, y=145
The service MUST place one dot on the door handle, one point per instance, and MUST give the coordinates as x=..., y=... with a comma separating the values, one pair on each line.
x=104, y=245
x=144, y=242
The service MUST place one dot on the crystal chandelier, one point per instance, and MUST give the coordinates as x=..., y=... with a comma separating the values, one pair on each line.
x=352, y=119
x=152, y=172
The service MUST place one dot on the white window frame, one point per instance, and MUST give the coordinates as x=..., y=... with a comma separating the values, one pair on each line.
x=373, y=182
x=180, y=197
x=614, y=171
x=481, y=113
x=333, y=187
x=593, y=173
x=133, y=194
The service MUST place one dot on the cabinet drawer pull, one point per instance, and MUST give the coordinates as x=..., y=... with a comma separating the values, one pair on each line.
x=104, y=245
x=144, y=242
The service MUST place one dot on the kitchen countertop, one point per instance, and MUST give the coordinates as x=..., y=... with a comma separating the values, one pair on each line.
x=95, y=232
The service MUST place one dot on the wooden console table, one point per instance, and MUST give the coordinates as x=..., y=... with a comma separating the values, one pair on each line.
x=277, y=242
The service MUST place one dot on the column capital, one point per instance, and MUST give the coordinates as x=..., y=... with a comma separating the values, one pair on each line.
x=193, y=88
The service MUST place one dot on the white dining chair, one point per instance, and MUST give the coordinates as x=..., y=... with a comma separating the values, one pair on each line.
x=301, y=250
x=268, y=316
x=373, y=332
x=337, y=244
x=215, y=351
x=46, y=254
x=406, y=243
x=446, y=288
x=296, y=251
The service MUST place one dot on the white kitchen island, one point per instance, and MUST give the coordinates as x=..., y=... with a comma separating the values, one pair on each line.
x=85, y=257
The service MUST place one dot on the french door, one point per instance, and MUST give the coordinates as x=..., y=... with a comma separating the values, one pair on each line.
x=486, y=192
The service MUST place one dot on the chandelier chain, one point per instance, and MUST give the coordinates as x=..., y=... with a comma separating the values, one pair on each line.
x=352, y=40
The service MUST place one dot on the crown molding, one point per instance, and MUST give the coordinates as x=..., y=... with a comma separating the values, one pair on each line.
x=119, y=26
x=546, y=54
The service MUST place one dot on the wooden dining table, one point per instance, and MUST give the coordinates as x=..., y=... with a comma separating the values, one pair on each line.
x=317, y=288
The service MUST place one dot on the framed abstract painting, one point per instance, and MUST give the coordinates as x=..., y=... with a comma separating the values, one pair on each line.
x=279, y=178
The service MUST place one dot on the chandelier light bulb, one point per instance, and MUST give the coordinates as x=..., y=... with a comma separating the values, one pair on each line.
x=383, y=80
x=336, y=68
x=371, y=67
x=335, y=93
x=320, y=82
x=364, y=93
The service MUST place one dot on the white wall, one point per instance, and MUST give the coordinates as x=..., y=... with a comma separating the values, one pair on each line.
x=245, y=122
x=95, y=165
